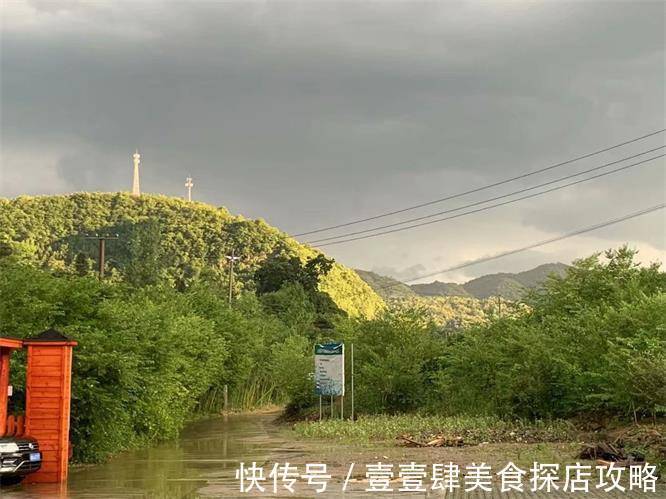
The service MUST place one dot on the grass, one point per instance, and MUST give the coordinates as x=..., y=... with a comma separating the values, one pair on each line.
x=473, y=429
x=254, y=394
x=250, y=396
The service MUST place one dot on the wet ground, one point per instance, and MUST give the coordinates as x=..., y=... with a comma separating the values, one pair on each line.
x=202, y=463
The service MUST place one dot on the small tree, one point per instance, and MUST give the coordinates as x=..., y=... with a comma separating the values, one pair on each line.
x=145, y=254
x=280, y=269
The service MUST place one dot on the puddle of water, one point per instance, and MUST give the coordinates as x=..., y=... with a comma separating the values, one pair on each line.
x=208, y=450
x=203, y=461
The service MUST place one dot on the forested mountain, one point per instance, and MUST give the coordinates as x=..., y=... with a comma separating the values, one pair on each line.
x=536, y=276
x=438, y=288
x=505, y=284
x=160, y=239
x=512, y=286
x=386, y=287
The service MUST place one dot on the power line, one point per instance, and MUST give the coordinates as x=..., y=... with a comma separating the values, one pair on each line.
x=485, y=208
x=477, y=203
x=600, y=225
x=478, y=189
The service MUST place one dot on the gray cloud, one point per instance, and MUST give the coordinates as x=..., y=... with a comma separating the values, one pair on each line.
x=307, y=114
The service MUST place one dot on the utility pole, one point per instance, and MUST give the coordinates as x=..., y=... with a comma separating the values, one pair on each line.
x=101, y=252
x=232, y=260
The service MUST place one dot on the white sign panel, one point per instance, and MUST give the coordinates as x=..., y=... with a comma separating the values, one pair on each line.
x=330, y=369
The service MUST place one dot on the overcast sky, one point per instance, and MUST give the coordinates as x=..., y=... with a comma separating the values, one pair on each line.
x=311, y=114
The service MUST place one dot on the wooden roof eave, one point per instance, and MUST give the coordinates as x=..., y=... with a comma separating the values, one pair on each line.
x=12, y=343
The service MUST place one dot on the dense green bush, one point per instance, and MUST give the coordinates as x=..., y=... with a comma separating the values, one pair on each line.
x=150, y=358
x=594, y=342
x=394, y=357
x=146, y=356
x=591, y=342
x=143, y=360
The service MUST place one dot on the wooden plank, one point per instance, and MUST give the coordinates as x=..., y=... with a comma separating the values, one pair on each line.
x=49, y=467
x=43, y=437
x=48, y=446
x=42, y=477
x=47, y=361
x=50, y=424
x=45, y=352
x=44, y=382
x=46, y=407
x=44, y=393
x=44, y=414
x=46, y=403
x=48, y=370
x=43, y=434
x=45, y=390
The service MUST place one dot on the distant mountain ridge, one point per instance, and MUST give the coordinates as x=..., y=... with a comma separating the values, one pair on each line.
x=384, y=286
x=511, y=286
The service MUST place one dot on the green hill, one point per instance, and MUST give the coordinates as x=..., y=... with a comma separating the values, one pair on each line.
x=386, y=287
x=513, y=286
x=159, y=237
x=535, y=277
x=503, y=285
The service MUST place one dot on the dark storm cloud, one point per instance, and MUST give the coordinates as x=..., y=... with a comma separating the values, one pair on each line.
x=311, y=113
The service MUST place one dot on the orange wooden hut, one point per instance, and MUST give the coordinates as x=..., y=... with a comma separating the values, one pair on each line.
x=48, y=397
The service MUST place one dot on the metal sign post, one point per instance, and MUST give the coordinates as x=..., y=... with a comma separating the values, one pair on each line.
x=330, y=374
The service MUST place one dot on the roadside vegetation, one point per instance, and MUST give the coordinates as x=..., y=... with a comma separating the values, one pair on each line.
x=158, y=339
x=150, y=358
x=590, y=344
x=589, y=347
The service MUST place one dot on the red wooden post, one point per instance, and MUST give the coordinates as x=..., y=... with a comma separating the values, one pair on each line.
x=4, y=384
x=7, y=345
x=47, y=405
